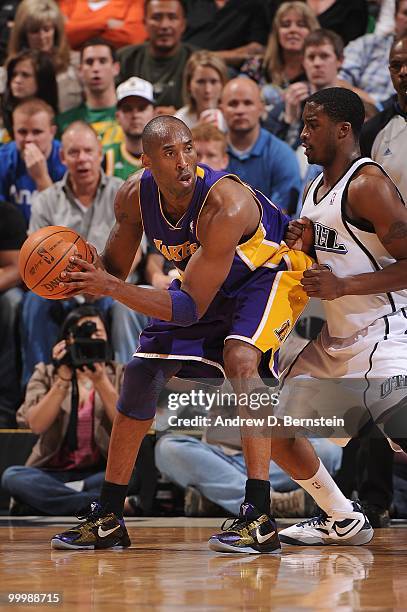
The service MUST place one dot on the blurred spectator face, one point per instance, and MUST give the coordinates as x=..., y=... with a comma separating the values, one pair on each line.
x=205, y=87
x=401, y=19
x=321, y=65
x=165, y=23
x=97, y=69
x=292, y=31
x=42, y=38
x=36, y=128
x=241, y=105
x=398, y=68
x=23, y=82
x=82, y=154
x=133, y=113
x=212, y=153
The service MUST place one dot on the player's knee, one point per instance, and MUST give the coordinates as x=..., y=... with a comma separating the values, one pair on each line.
x=141, y=388
x=241, y=361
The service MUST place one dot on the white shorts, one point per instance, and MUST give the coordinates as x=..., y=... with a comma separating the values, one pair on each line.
x=357, y=379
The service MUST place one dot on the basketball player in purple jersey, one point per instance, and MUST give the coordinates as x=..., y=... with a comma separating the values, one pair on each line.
x=239, y=297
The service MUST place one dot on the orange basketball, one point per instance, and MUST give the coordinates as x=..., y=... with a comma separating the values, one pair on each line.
x=45, y=254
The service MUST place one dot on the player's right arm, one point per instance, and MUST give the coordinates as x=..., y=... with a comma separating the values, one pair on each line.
x=126, y=234
x=229, y=214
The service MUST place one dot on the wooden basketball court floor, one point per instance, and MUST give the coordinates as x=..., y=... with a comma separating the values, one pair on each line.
x=169, y=567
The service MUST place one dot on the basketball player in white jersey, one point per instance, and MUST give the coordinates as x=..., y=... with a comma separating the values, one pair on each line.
x=360, y=228
x=355, y=223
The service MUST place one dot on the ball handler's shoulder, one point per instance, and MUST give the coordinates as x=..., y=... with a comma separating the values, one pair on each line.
x=229, y=196
x=230, y=208
x=127, y=201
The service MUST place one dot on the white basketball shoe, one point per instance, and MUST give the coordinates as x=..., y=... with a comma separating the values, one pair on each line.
x=342, y=529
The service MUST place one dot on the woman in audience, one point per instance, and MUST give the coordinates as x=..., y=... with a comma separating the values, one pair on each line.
x=30, y=73
x=282, y=62
x=39, y=24
x=71, y=408
x=205, y=75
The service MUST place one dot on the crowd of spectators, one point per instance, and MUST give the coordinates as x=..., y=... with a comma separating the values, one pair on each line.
x=79, y=80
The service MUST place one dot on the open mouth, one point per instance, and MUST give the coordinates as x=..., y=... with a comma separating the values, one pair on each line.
x=185, y=178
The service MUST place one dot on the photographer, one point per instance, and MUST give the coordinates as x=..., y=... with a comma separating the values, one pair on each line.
x=71, y=405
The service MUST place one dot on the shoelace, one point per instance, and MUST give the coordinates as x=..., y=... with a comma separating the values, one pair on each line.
x=92, y=512
x=317, y=521
x=236, y=523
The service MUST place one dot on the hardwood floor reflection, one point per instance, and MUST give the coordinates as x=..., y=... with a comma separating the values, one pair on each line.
x=170, y=567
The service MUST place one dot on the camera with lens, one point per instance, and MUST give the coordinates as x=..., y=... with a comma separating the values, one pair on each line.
x=83, y=350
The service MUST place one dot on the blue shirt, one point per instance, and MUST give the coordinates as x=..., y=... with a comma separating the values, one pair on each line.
x=16, y=185
x=271, y=167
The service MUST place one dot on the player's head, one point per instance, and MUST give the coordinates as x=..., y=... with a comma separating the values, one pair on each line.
x=170, y=155
x=333, y=119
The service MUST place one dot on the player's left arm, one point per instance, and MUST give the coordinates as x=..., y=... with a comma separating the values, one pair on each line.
x=373, y=198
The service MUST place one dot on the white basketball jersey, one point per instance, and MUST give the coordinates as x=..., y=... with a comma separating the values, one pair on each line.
x=348, y=250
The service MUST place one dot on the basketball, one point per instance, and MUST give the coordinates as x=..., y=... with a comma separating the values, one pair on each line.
x=45, y=254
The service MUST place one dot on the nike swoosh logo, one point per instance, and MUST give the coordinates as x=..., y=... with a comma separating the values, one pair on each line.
x=343, y=531
x=264, y=538
x=104, y=534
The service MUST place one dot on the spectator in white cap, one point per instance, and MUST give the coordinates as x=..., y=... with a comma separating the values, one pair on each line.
x=134, y=110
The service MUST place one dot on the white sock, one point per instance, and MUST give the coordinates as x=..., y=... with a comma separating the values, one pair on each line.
x=325, y=492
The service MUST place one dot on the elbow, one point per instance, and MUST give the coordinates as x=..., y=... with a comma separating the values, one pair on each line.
x=35, y=425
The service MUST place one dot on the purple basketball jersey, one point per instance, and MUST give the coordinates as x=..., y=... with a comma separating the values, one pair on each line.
x=259, y=300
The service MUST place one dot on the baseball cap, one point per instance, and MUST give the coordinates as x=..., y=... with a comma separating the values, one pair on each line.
x=134, y=86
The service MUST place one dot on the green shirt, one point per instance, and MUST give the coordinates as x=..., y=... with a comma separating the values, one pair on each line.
x=103, y=120
x=119, y=162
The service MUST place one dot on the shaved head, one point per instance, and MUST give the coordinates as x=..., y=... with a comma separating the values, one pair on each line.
x=170, y=156
x=162, y=129
x=241, y=85
x=242, y=107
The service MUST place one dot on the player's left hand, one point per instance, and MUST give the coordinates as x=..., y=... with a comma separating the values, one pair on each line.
x=92, y=280
x=320, y=282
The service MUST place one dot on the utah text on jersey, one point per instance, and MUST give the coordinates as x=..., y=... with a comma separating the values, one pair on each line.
x=326, y=239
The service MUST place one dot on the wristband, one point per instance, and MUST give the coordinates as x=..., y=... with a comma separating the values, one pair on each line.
x=184, y=310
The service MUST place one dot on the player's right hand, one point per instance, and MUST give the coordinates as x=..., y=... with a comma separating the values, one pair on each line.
x=300, y=235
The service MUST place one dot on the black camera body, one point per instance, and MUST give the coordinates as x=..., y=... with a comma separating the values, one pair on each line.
x=83, y=350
